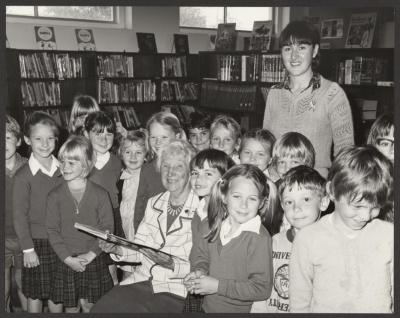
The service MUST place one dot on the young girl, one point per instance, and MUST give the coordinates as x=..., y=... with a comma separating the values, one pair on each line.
x=225, y=136
x=82, y=275
x=81, y=107
x=381, y=135
x=232, y=265
x=256, y=148
x=33, y=182
x=206, y=169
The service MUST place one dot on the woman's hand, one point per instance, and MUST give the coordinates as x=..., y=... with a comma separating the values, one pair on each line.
x=76, y=263
x=189, y=280
x=110, y=248
x=88, y=257
x=205, y=285
x=160, y=259
x=31, y=259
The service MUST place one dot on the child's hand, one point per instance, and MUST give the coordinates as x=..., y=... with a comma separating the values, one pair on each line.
x=120, y=129
x=88, y=257
x=31, y=259
x=76, y=263
x=205, y=285
x=110, y=248
x=188, y=281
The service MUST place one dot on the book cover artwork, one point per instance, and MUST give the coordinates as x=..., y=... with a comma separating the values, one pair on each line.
x=45, y=37
x=226, y=37
x=332, y=28
x=261, y=36
x=85, y=40
x=146, y=42
x=181, y=42
x=361, y=30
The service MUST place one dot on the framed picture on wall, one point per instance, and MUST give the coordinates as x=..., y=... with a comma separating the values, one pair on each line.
x=146, y=42
x=361, y=30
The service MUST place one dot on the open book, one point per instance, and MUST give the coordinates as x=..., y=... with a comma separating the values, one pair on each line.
x=105, y=235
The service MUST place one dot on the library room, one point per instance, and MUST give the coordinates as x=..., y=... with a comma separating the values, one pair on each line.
x=168, y=159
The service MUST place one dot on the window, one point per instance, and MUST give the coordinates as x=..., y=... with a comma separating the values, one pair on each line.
x=102, y=14
x=210, y=17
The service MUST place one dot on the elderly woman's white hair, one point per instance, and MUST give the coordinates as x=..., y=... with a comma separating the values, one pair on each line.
x=177, y=147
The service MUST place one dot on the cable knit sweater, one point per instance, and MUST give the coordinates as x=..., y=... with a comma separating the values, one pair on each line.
x=321, y=112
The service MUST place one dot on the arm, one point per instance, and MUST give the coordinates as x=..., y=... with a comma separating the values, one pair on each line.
x=258, y=286
x=199, y=255
x=301, y=275
x=340, y=117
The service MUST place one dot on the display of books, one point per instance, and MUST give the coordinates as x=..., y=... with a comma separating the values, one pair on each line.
x=104, y=235
x=226, y=37
x=181, y=43
x=146, y=42
x=173, y=66
x=361, y=30
x=261, y=36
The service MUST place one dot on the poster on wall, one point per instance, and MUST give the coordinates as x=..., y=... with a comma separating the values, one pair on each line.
x=85, y=40
x=361, y=30
x=332, y=28
x=45, y=37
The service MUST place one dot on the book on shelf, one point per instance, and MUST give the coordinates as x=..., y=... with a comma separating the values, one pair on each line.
x=348, y=70
x=173, y=66
x=356, y=70
x=115, y=65
x=105, y=235
x=146, y=42
x=226, y=37
x=125, y=115
x=261, y=35
x=361, y=30
x=367, y=107
x=181, y=43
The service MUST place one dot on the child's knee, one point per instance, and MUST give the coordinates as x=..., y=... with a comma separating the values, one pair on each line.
x=86, y=306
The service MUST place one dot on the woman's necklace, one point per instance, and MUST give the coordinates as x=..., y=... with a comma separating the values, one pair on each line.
x=174, y=210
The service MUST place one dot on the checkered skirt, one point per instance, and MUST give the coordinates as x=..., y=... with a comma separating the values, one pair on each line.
x=37, y=281
x=193, y=303
x=70, y=286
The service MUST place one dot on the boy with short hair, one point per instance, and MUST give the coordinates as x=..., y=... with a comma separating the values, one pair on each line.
x=302, y=195
x=13, y=252
x=344, y=262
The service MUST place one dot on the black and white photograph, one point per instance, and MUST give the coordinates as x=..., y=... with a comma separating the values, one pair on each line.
x=230, y=176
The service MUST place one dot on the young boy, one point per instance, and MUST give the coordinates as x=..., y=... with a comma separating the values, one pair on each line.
x=13, y=252
x=303, y=197
x=344, y=262
x=199, y=130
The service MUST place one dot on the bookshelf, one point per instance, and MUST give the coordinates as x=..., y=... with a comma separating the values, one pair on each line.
x=368, y=81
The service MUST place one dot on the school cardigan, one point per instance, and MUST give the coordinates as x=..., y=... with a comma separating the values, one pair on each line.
x=10, y=174
x=330, y=272
x=149, y=185
x=94, y=209
x=107, y=177
x=152, y=231
x=321, y=112
x=243, y=267
x=29, y=204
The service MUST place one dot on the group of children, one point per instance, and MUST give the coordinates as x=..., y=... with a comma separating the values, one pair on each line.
x=252, y=187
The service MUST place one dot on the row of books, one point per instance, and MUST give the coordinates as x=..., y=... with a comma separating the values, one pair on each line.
x=228, y=97
x=61, y=116
x=125, y=115
x=115, y=65
x=50, y=65
x=172, y=90
x=173, y=66
x=181, y=111
x=363, y=70
x=272, y=68
x=135, y=91
x=40, y=94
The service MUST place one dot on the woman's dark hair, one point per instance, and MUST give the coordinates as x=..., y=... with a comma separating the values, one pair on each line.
x=303, y=32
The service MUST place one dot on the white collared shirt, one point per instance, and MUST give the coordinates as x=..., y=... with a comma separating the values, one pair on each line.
x=35, y=166
x=201, y=209
x=102, y=159
x=252, y=225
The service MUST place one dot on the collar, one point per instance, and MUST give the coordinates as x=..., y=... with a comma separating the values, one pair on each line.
x=35, y=166
x=315, y=82
x=252, y=225
x=201, y=209
x=19, y=161
x=102, y=159
x=128, y=175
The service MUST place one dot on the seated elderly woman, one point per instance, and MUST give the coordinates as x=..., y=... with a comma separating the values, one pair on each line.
x=156, y=285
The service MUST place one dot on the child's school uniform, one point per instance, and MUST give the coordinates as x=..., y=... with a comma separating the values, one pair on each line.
x=31, y=186
x=241, y=263
x=106, y=173
x=235, y=158
x=331, y=272
x=95, y=210
x=13, y=252
x=278, y=302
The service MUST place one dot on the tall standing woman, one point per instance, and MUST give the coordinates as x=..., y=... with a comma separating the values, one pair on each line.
x=305, y=101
